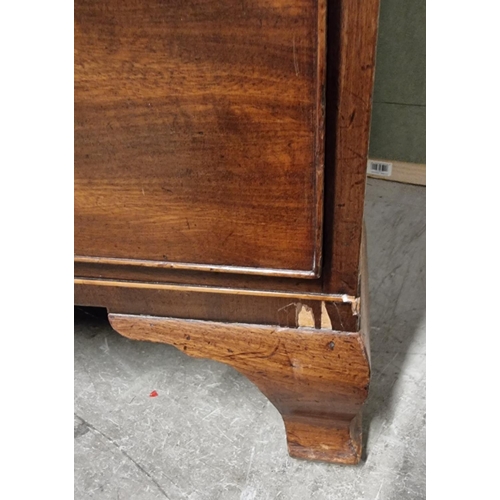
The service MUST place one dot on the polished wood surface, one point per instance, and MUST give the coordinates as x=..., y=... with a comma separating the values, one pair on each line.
x=351, y=41
x=317, y=379
x=199, y=131
x=192, y=277
x=216, y=304
x=219, y=192
x=352, y=28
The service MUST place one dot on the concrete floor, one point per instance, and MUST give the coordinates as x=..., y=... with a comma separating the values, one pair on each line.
x=210, y=434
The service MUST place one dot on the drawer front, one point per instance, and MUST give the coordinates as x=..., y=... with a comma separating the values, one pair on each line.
x=199, y=134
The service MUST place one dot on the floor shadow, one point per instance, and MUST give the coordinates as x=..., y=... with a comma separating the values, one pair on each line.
x=395, y=220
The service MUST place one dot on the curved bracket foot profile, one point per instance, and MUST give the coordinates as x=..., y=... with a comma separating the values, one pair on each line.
x=317, y=379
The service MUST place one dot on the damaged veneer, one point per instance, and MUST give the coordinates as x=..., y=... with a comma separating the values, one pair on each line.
x=306, y=318
x=339, y=312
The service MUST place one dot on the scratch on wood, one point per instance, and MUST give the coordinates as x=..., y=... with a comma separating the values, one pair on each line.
x=295, y=61
x=287, y=315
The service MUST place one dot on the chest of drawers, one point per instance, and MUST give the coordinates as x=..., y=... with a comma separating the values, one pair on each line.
x=220, y=159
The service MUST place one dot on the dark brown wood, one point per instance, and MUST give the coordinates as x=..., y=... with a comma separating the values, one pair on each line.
x=315, y=374
x=201, y=197
x=190, y=277
x=199, y=130
x=317, y=379
x=364, y=309
x=351, y=46
x=214, y=304
x=344, y=174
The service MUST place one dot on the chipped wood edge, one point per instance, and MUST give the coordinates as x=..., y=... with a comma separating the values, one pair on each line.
x=326, y=322
x=305, y=316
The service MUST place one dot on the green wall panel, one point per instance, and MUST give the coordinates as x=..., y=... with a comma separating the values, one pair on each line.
x=398, y=117
x=398, y=133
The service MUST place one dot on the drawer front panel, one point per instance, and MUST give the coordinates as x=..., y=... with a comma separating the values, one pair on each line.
x=199, y=134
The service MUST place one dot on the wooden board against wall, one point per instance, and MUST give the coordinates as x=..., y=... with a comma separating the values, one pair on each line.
x=408, y=173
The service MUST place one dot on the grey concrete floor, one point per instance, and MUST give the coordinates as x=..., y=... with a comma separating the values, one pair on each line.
x=210, y=434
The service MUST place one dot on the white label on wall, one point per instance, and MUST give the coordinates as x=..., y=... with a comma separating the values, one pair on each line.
x=379, y=168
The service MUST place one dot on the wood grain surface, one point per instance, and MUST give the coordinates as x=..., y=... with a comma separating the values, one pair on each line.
x=212, y=304
x=352, y=28
x=201, y=145
x=199, y=134
x=317, y=379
